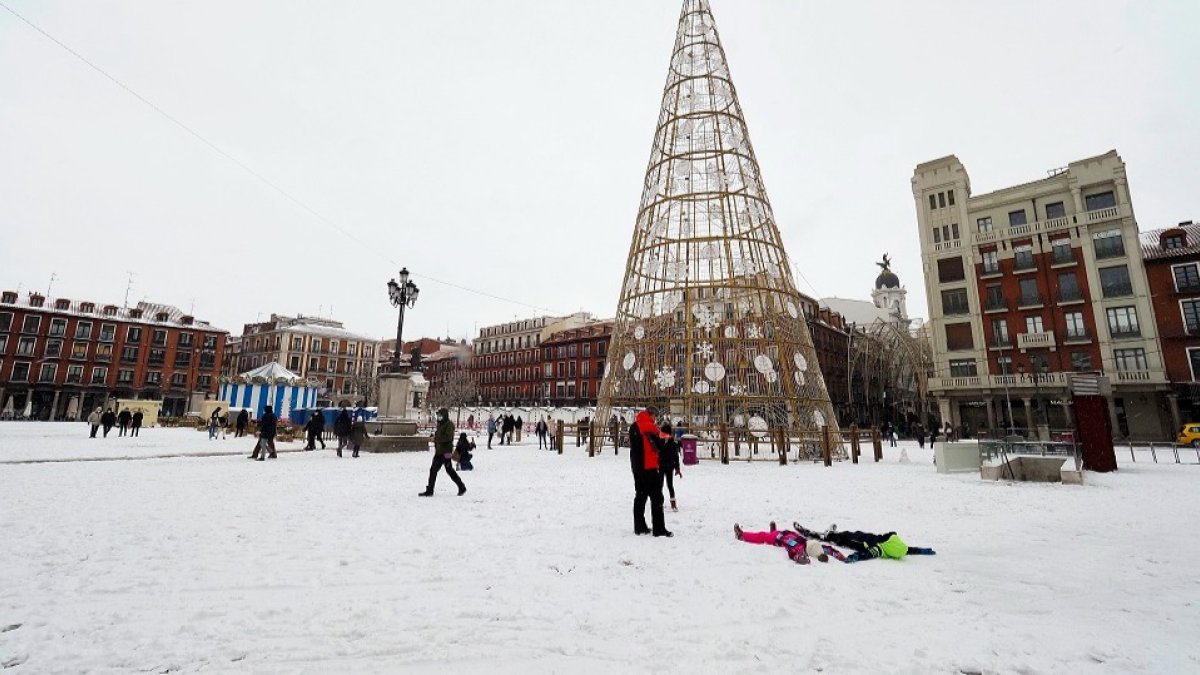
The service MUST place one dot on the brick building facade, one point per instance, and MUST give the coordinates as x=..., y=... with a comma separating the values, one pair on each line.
x=332, y=358
x=60, y=356
x=1172, y=259
x=507, y=361
x=572, y=364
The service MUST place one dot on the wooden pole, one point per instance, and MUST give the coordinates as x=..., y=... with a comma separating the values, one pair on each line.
x=725, y=444
x=782, y=448
x=558, y=437
x=854, y=448
x=877, y=442
x=826, y=446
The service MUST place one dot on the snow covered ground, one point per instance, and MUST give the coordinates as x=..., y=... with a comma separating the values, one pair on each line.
x=314, y=564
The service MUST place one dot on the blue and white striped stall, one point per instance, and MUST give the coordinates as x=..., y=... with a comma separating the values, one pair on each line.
x=271, y=385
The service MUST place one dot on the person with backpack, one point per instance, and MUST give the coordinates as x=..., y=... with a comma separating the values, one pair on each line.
x=443, y=453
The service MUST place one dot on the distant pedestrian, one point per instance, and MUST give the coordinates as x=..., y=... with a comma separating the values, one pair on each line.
x=509, y=425
x=358, y=433
x=464, y=452
x=108, y=420
x=94, y=420
x=668, y=462
x=614, y=430
x=243, y=419
x=123, y=421
x=136, y=423
x=645, y=443
x=443, y=452
x=267, y=425
x=491, y=429
x=519, y=424
x=541, y=429
x=341, y=429
x=214, y=423
x=314, y=428
x=920, y=434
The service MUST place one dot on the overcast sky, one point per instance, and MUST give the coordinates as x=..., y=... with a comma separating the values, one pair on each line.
x=501, y=146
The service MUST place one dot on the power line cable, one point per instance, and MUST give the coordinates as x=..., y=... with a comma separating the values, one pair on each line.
x=250, y=170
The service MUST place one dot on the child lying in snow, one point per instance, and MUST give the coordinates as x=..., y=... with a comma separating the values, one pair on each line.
x=799, y=547
x=865, y=544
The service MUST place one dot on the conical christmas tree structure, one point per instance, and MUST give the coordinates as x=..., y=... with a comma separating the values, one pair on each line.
x=709, y=326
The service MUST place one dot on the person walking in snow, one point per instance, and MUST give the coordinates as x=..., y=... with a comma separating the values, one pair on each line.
x=491, y=429
x=94, y=420
x=358, y=433
x=341, y=429
x=243, y=420
x=669, y=462
x=108, y=420
x=314, y=428
x=506, y=437
x=267, y=427
x=136, y=423
x=123, y=422
x=614, y=430
x=540, y=430
x=214, y=423
x=801, y=548
x=519, y=425
x=645, y=443
x=443, y=453
x=866, y=545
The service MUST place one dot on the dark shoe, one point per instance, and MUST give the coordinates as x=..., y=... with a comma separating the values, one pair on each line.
x=252, y=457
x=339, y=453
x=773, y=528
x=462, y=491
x=261, y=459
x=273, y=456
x=737, y=531
x=664, y=533
x=641, y=530
x=355, y=454
x=427, y=493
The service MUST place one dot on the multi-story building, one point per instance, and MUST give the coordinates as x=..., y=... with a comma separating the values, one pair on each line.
x=62, y=358
x=572, y=364
x=1172, y=258
x=322, y=350
x=1030, y=283
x=507, y=357
x=231, y=362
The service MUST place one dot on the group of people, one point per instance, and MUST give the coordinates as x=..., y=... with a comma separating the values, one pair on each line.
x=218, y=423
x=803, y=544
x=506, y=426
x=654, y=458
x=350, y=431
x=126, y=422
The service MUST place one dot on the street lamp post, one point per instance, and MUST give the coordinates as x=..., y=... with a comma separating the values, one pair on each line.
x=403, y=294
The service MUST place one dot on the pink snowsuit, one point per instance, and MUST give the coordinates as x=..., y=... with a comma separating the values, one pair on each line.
x=796, y=544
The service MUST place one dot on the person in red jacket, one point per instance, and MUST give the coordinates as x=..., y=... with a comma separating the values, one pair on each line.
x=645, y=440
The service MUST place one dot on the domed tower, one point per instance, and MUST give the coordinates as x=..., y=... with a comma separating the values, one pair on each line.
x=889, y=294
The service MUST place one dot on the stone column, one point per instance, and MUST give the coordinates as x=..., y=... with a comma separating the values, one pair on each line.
x=1172, y=402
x=991, y=415
x=1066, y=406
x=1112, y=416
x=54, y=405
x=1028, y=413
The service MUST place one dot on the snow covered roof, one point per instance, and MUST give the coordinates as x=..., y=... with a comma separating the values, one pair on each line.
x=860, y=312
x=326, y=331
x=271, y=371
x=146, y=313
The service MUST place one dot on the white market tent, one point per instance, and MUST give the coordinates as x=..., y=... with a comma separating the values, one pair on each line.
x=272, y=385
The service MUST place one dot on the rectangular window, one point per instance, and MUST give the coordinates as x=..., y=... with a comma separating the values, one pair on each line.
x=1029, y=293
x=3, y=347
x=108, y=332
x=1033, y=324
x=294, y=363
x=26, y=346
x=74, y=374
x=1004, y=365
x=941, y=200
x=31, y=324
x=1114, y=281
x=179, y=380
x=1016, y=218
x=984, y=224
x=1000, y=333
x=1187, y=277
x=1023, y=257
x=955, y=302
x=104, y=352
x=995, y=297
x=1055, y=210
x=571, y=350
x=316, y=344
x=1108, y=244
x=20, y=372
x=160, y=338
x=1191, y=316
x=587, y=349
x=1081, y=361
x=5, y=321
x=946, y=232
x=48, y=372
x=184, y=340
x=548, y=370
x=99, y=375
x=1098, y=201
x=932, y=202
x=1068, y=287
x=954, y=230
x=991, y=262
x=1122, y=321
x=963, y=368
x=950, y=197
x=1174, y=241
x=53, y=349
x=124, y=376
x=204, y=381
x=950, y=270
x=1063, y=253
x=154, y=377
x=134, y=334
x=1075, y=326
x=1040, y=362
x=334, y=345
x=937, y=235
x=1130, y=359
x=583, y=368
x=959, y=337
x=297, y=344
x=79, y=351
x=83, y=330
x=1194, y=360
x=58, y=327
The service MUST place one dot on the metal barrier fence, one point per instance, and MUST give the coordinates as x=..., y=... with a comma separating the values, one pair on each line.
x=1180, y=454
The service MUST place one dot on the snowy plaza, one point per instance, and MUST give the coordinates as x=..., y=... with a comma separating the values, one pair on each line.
x=310, y=563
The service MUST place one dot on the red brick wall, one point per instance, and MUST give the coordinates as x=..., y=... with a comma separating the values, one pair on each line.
x=1167, y=314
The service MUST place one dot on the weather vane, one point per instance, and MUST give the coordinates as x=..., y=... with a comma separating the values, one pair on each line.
x=886, y=265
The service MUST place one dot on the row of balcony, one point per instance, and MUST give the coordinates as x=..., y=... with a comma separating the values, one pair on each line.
x=1049, y=225
x=1055, y=380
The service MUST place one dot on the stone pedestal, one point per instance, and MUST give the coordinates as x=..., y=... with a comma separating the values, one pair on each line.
x=395, y=430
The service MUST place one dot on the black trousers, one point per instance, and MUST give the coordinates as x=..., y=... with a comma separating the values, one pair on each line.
x=94, y=428
x=648, y=485
x=438, y=463
x=241, y=431
x=266, y=446
x=670, y=476
x=490, y=435
x=122, y=429
x=107, y=428
x=133, y=431
x=857, y=541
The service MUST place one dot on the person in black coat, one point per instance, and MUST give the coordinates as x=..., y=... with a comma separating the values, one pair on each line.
x=123, y=422
x=645, y=446
x=243, y=419
x=108, y=420
x=668, y=462
x=266, y=436
x=341, y=429
x=135, y=423
x=315, y=427
x=464, y=448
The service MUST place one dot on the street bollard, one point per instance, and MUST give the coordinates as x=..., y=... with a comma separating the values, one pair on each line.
x=558, y=437
x=877, y=442
x=782, y=450
x=854, y=443
x=725, y=444
x=826, y=446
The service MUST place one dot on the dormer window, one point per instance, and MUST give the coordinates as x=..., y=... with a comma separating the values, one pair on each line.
x=88, y=307
x=187, y=320
x=36, y=300
x=62, y=303
x=8, y=297
x=110, y=310
x=135, y=313
x=1174, y=239
x=161, y=316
